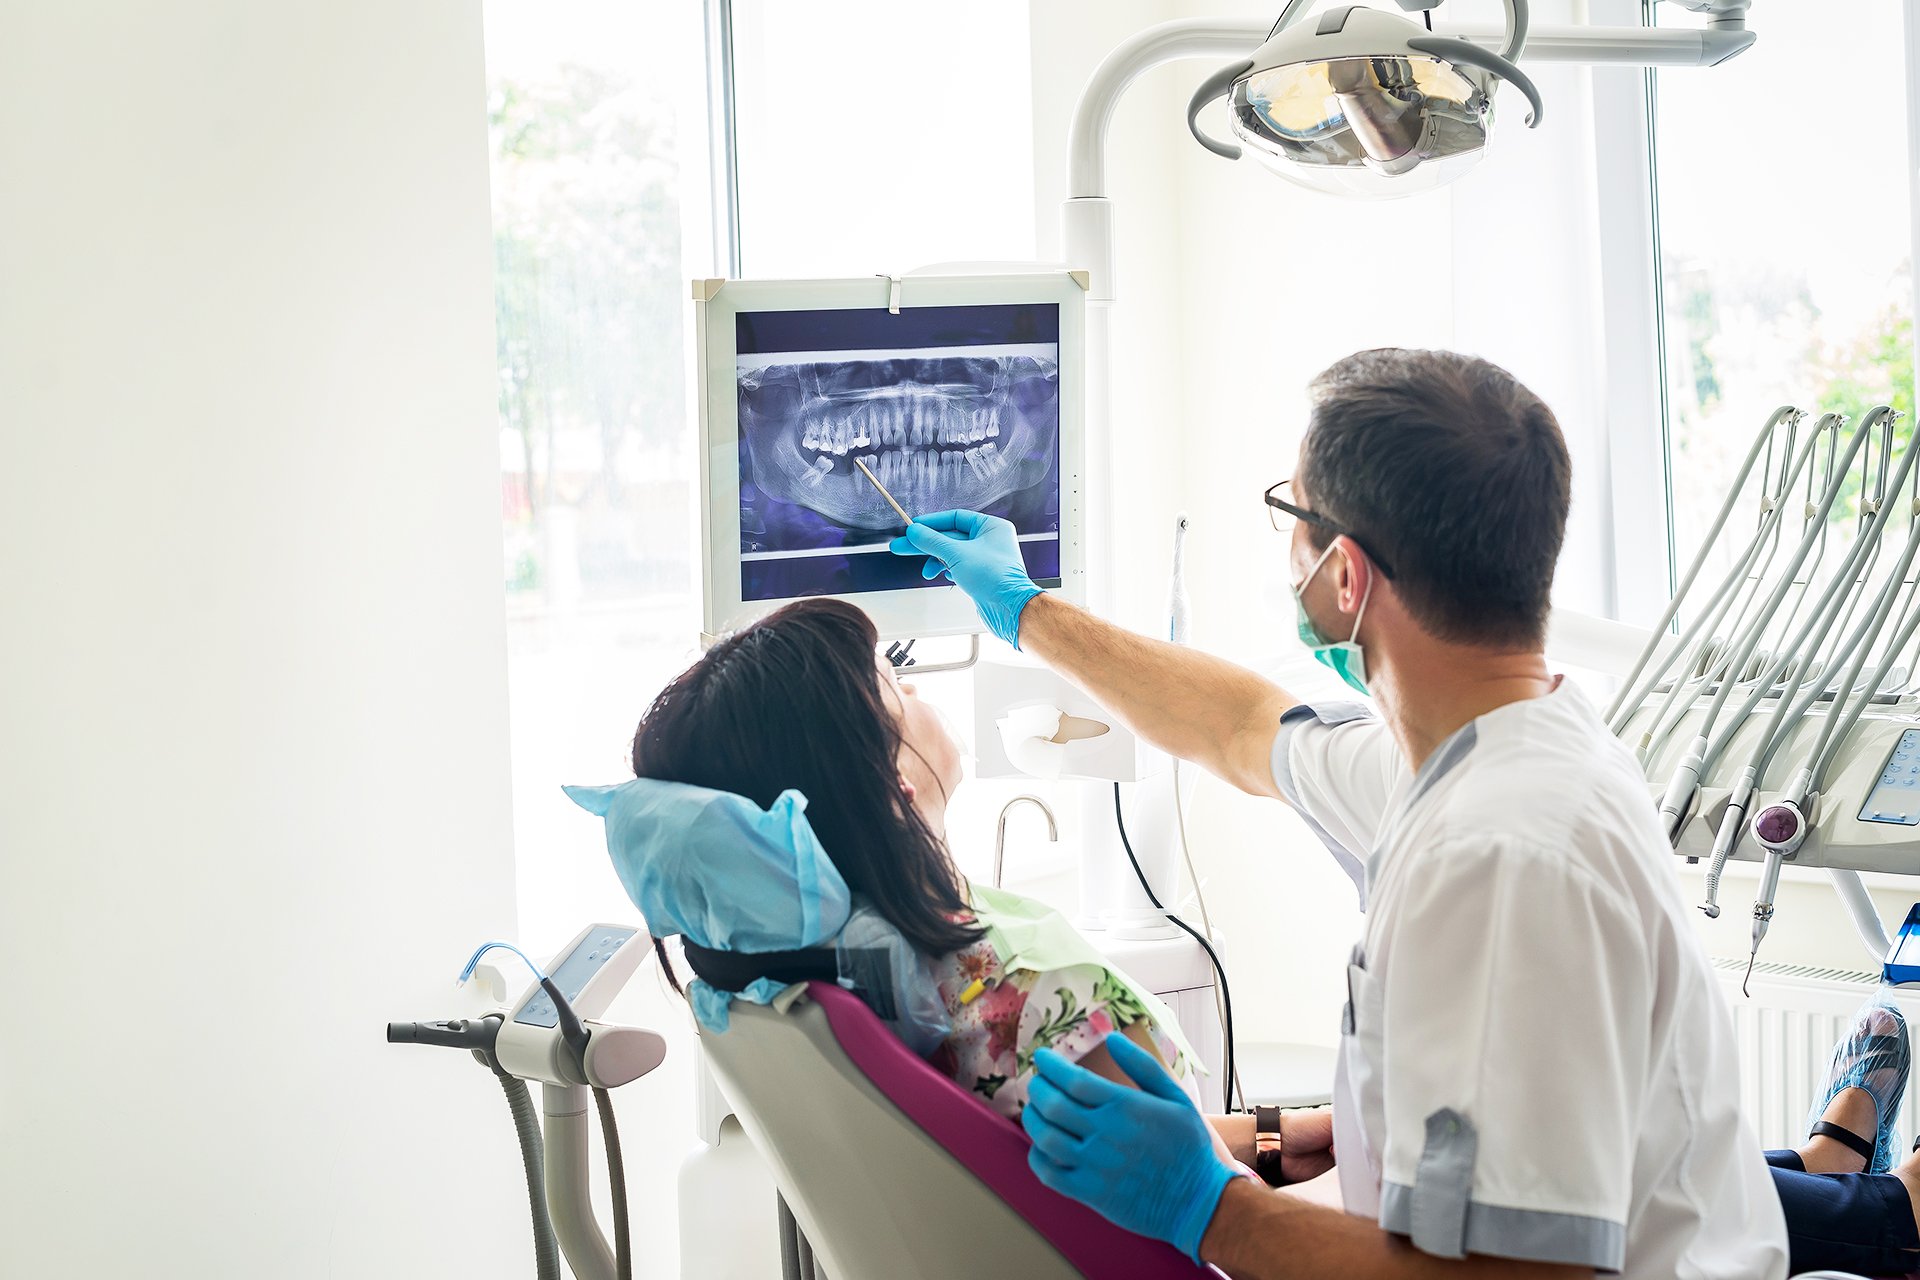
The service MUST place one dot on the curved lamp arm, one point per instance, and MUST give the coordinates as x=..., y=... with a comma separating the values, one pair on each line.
x=1472, y=55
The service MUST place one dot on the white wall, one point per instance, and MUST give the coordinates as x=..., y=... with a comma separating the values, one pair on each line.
x=252, y=714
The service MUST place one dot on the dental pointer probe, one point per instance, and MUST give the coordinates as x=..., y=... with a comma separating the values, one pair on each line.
x=875, y=480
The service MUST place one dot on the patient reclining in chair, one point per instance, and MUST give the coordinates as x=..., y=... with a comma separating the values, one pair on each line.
x=788, y=821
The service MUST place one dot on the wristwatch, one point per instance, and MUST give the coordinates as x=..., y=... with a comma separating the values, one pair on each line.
x=1268, y=1148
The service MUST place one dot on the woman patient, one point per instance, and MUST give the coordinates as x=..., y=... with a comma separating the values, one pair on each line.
x=801, y=701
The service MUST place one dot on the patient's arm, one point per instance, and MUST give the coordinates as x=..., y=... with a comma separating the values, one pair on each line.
x=1306, y=1139
x=1101, y=1063
x=1307, y=1136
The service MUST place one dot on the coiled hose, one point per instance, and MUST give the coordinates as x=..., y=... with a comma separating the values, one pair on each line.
x=526, y=1125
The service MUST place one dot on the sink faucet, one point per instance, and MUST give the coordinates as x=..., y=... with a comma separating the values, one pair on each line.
x=1000, y=833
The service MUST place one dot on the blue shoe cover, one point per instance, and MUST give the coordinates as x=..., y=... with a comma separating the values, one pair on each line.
x=1875, y=1055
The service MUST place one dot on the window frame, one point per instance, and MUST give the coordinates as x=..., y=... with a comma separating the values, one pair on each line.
x=1627, y=159
x=723, y=136
x=1628, y=222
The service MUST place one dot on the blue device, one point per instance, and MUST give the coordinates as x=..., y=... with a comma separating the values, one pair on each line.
x=1903, y=959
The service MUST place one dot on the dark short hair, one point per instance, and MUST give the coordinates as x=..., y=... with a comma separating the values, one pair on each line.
x=1456, y=474
x=795, y=701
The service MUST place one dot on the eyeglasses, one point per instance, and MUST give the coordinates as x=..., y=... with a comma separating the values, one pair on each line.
x=1277, y=504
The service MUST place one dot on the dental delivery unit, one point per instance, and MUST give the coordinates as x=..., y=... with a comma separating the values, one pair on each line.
x=1781, y=724
x=550, y=1036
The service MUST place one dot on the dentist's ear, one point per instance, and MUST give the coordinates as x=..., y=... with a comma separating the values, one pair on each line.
x=1353, y=563
x=907, y=789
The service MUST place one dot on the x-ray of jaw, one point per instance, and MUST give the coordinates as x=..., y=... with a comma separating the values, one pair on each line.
x=951, y=431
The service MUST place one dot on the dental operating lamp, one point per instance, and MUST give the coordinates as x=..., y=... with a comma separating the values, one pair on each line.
x=1364, y=102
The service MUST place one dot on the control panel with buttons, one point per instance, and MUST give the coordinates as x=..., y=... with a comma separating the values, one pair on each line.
x=1895, y=797
x=574, y=971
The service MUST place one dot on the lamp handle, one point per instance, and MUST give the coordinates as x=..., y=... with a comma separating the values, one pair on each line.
x=1465, y=51
x=1217, y=85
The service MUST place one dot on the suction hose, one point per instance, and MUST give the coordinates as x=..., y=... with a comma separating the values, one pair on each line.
x=526, y=1123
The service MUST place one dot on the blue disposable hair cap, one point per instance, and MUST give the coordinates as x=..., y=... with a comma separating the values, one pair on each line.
x=722, y=872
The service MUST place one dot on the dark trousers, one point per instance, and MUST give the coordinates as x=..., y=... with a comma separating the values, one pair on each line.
x=1860, y=1222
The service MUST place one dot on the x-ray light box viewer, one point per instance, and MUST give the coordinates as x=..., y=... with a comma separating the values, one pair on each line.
x=953, y=391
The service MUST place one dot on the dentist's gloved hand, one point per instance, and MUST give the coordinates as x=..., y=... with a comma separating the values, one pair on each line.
x=1143, y=1158
x=982, y=555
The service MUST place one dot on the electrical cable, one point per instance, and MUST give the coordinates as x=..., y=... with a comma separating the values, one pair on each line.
x=617, y=1180
x=1219, y=970
x=1206, y=924
x=1179, y=627
x=573, y=1033
x=526, y=1125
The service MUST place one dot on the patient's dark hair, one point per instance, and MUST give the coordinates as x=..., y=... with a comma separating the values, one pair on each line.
x=795, y=701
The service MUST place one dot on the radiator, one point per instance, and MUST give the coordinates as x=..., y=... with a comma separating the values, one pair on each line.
x=1786, y=1032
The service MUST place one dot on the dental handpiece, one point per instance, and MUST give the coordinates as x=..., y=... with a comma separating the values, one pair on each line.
x=1779, y=829
x=1762, y=917
x=1179, y=607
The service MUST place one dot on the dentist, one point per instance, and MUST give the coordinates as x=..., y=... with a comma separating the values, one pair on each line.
x=1536, y=1069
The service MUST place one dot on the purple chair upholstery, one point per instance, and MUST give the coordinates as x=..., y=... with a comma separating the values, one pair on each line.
x=993, y=1149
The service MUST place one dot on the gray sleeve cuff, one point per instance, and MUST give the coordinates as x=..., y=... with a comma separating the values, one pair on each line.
x=1328, y=714
x=1440, y=1217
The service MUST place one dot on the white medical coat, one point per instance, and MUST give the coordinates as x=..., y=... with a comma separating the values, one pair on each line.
x=1535, y=1061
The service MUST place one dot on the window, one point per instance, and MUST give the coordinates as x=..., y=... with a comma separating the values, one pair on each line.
x=598, y=123
x=879, y=137
x=1785, y=240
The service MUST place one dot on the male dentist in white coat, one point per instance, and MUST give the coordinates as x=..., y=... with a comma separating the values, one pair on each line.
x=1537, y=1070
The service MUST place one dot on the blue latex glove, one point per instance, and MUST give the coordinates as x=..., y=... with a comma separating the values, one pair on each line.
x=1143, y=1158
x=981, y=554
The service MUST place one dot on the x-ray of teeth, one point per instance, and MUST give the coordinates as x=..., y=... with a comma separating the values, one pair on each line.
x=946, y=406
x=954, y=431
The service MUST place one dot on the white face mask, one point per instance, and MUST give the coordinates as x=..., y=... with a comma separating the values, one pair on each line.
x=1346, y=657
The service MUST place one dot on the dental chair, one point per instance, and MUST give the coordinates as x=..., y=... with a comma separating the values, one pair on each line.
x=891, y=1169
